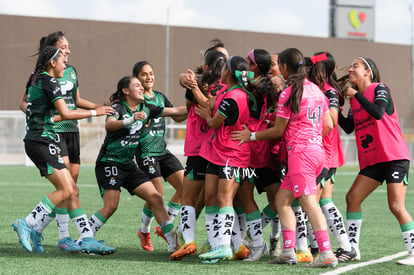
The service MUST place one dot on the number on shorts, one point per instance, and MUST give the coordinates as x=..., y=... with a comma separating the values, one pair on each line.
x=111, y=171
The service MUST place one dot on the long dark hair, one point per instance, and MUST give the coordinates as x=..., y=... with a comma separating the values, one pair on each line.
x=376, y=77
x=48, y=54
x=214, y=60
x=49, y=40
x=294, y=61
x=119, y=95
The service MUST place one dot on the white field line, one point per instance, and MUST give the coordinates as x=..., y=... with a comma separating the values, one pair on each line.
x=363, y=264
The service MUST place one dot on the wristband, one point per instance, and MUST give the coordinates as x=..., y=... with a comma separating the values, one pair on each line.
x=128, y=121
x=93, y=112
x=253, y=136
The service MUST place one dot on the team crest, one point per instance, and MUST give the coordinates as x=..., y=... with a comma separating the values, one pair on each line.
x=112, y=181
x=72, y=75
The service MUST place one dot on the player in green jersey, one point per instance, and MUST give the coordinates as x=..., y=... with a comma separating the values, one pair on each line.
x=67, y=137
x=44, y=97
x=153, y=157
x=115, y=165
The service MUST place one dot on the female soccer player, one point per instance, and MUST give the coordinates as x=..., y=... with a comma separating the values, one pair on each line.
x=205, y=90
x=67, y=138
x=115, y=166
x=303, y=118
x=44, y=97
x=382, y=151
x=227, y=160
x=153, y=157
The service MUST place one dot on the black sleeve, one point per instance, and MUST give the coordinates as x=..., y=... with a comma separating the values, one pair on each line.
x=155, y=111
x=346, y=123
x=228, y=107
x=333, y=99
x=377, y=108
x=167, y=103
x=189, y=95
x=51, y=88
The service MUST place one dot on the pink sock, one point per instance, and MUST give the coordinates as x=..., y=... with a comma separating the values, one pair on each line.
x=289, y=238
x=322, y=238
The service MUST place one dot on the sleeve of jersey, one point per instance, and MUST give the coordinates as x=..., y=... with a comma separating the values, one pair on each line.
x=117, y=111
x=333, y=99
x=189, y=95
x=52, y=89
x=167, y=102
x=375, y=109
x=155, y=111
x=228, y=107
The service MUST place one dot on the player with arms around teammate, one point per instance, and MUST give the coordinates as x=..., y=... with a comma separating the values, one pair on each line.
x=115, y=165
x=44, y=97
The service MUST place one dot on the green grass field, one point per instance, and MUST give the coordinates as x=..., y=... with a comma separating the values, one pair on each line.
x=22, y=188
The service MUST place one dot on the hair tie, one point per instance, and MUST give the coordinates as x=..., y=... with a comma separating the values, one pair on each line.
x=251, y=56
x=318, y=58
x=242, y=77
x=53, y=56
x=369, y=67
x=300, y=63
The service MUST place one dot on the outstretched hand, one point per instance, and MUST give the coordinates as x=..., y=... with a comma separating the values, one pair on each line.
x=243, y=135
x=104, y=110
x=140, y=115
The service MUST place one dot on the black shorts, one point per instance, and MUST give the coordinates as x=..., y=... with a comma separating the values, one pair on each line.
x=195, y=168
x=265, y=177
x=394, y=171
x=280, y=168
x=158, y=166
x=228, y=172
x=320, y=179
x=70, y=146
x=113, y=176
x=45, y=154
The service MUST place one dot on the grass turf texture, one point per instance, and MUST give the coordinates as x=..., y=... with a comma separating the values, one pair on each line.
x=22, y=188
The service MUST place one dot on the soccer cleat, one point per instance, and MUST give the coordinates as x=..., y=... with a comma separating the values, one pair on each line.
x=179, y=239
x=159, y=233
x=287, y=256
x=274, y=247
x=184, y=250
x=257, y=252
x=304, y=256
x=344, y=256
x=242, y=253
x=145, y=239
x=69, y=245
x=23, y=231
x=92, y=247
x=407, y=261
x=325, y=259
x=222, y=252
x=37, y=241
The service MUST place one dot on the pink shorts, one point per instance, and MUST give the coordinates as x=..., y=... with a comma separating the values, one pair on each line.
x=303, y=168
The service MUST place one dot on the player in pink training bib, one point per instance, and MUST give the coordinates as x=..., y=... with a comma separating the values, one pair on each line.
x=382, y=151
x=303, y=119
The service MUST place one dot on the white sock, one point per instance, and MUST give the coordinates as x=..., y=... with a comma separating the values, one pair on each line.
x=62, y=221
x=354, y=230
x=96, y=222
x=81, y=223
x=254, y=223
x=236, y=237
x=211, y=222
x=407, y=231
x=41, y=211
x=225, y=229
x=43, y=223
x=147, y=217
x=336, y=223
x=173, y=209
x=187, y=223
x=301, y=230
x=276, y=227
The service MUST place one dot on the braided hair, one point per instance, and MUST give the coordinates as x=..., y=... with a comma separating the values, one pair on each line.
x=48, y=54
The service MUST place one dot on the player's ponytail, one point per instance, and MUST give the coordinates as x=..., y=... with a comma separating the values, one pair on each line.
x=46, y=56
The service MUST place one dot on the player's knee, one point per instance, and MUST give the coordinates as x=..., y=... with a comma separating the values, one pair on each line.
x=396, y=208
